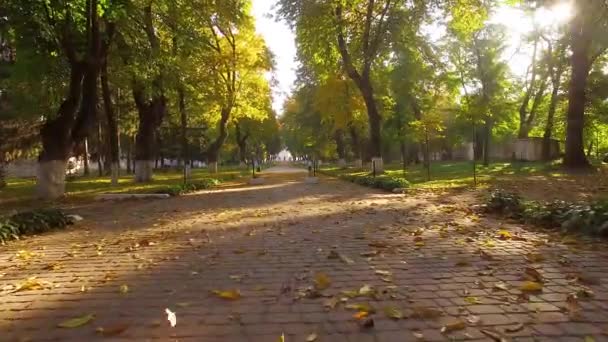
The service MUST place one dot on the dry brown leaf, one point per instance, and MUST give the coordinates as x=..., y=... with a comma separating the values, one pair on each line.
x=453, y=326
x=533, y=274
x=517, y=327
x=112, y=330
x=494, y=335
x=423, y=313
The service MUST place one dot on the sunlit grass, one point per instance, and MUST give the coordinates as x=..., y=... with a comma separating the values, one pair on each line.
x=457, y=174
x=20, y=191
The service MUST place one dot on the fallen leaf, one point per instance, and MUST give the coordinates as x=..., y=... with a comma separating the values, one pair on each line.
x=572, y=305
x=228, y=294
x=360, y=307
x=32, y=283
x=420, y=312
x=504, y=235
x=453, y=326
x=501, y=286
x=393, y=312
x=494, y=335
x=366, y=290
x=77, y=322
x=473, y=319
x=361, y=315
x=472, y=300
x=517, y=327
x=113, y=330
x=418, y=335
x=331, y=303
x=124, y=288
x=282, y=338
x=533, y=274
x=321, y=281
x=531, y=286
x=312, y=337
x=171, y=317
x=383, y=273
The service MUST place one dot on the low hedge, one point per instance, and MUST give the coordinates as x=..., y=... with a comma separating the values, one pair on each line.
x=589, y=218
x=180, y=189
x=32, y=222
x=380, y=182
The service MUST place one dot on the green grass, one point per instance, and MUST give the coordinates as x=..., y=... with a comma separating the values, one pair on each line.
x=455, y=174
x=20, y=192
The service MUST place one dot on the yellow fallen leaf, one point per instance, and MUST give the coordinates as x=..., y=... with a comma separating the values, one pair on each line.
x=504, y=234
x=419, y=244
x=393, y=312
x=472, y=300
x=282, y=338
x=383, y=273
x=124, y=288
x=453, y=326
x=322, y=281
x=32, y=283
x=531, y=286
x=361, y=315
x=228, y=294
x=76, y=322
x=360, y=307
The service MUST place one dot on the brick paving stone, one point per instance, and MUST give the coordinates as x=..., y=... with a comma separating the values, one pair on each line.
x=269, y=242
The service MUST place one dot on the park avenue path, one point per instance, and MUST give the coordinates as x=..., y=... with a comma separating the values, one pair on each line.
x=311, y=262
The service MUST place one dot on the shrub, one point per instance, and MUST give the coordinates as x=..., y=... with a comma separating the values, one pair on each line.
x=32, y=222
x=180, y=189
x=381, y=182
x=572, y=217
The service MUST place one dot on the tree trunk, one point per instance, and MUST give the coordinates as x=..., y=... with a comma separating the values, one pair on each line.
x=183, y=116
x=85, y=160
x=580, y=45
x=114, y=157
x=214, y=149
x=150, y=115
x=340, y=147
x=2, y=174
x=487, y=137
x=374, y=119
x=57, y=140
x=241, y=141
x=546, y=147
x=129, y=148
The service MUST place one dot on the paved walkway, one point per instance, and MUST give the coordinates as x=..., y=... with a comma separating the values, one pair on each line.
x=305, y=259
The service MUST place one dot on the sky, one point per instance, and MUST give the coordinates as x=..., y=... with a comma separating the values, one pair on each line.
x=281, y=41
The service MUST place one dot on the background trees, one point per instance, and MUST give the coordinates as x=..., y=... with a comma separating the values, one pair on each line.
x=116, y=78
x=494, y=82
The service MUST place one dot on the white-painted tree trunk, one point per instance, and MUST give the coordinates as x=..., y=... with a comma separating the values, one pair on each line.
x=187, y=172
x=115, y=169
x=358, y=163
x=378, y=164
x=212, y=167
x=342, y=162
x=51, y=179
x=143, y=170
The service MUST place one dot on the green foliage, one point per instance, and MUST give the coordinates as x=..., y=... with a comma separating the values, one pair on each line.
x=570, y=217
x=384, y=182
x=181, y=189
x=32, y=222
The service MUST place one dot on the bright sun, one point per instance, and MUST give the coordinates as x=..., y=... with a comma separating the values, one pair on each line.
x=519, y=24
